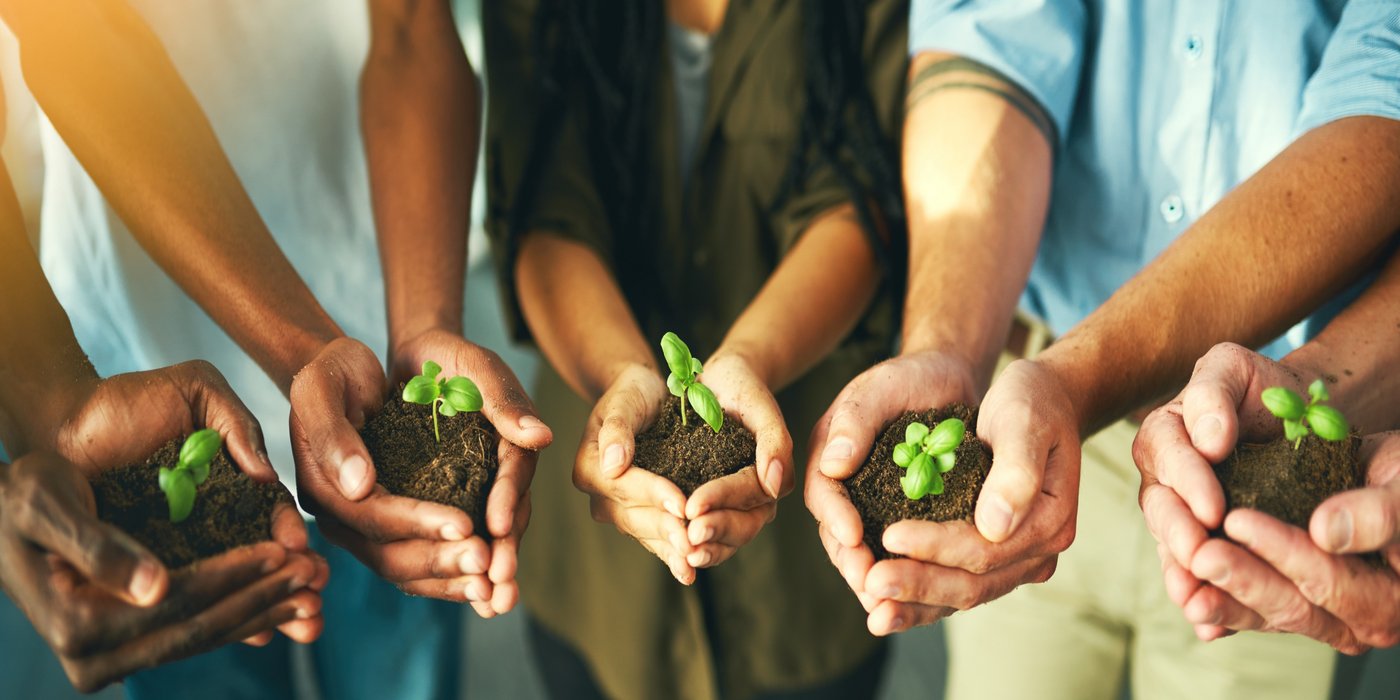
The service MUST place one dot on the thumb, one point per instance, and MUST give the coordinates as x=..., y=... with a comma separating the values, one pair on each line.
x=1211, y=401
x=1018, y=470
x=1364, y=520
x=319, y=414
x=509, y=409
x=844, y=436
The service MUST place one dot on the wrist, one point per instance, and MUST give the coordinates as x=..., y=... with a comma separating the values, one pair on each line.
x=406, y=328
x=1066, y=369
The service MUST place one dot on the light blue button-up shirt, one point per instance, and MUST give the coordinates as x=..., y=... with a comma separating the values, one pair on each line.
x=1161, y=108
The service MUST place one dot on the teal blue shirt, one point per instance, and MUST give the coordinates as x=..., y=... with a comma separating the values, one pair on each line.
x=1161, y=108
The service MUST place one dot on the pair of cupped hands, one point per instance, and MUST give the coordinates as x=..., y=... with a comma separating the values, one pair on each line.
x=108, y=607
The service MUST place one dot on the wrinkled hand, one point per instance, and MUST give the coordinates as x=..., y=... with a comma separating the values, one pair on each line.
x=402, y=539
x=523, y=435
x=640, y=504
x=121, y=420
x=106, y=605
x=1272, y=576
x=726, y=513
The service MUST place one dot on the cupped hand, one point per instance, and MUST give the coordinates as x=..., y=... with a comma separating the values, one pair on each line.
x=107, y=607
x=509, y=409
x=123, y=419
x=640, y=504
x=726, y=513
x=1175, y=449
x=402, y=539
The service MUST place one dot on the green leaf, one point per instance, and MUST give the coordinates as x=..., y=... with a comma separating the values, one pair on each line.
x=421, y=390
x=675, y=384
x=946, y=461
x=1283, y=402
x=919, y=478
x=915, y=433
x=1294, y=429
x=447, y=409
x=179, y=494
x=200, y=447
x=945, y=437
x=706, y=405
x=1318, y=391
x=904, y=454
x=462, y=394
x=1328, y=423
x=678, y=357
x=431, y=369
x=164, y=479
x=936, y=484
x=695, y=366
x=199, y=473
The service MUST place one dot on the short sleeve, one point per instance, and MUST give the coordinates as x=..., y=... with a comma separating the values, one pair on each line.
x=1360, y=70
x=565, y=202
x=1037, y=44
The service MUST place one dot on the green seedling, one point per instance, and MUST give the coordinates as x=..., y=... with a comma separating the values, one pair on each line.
x=179, y=483
x=684, y=382
x=446, y=396
x=926, y=455
x=1326, y=422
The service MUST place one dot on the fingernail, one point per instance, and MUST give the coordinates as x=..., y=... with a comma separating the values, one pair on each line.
x=474, y=591
x=699, y=558
x=1339, y=531
x=303, y=614
x=297, y=583
x=530, y=423
x=702, y=535
x=269, y=566
x=612, y=459
x=994, y=518
x=1206, y=427
x=352, y=473
x=1218, y=575
x=893, y=541
x=674, y=508
x=837, y=450
x=143, y=581
x=452, y=533
x=774, y=480
x=896, y=625
x=262, y=456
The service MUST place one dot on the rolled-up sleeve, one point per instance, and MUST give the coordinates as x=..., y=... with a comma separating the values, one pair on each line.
x=1360, y=70
x=1038, y=44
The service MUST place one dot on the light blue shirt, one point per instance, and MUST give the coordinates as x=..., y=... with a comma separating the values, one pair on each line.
x=1161, y=108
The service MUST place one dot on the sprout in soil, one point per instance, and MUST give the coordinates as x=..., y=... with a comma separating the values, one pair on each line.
x=1326, y=422
x=446, y=396
x=179, y=482
x=922, y=451
x=684, y=382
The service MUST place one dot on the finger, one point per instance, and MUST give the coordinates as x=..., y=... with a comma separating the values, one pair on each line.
x=846, y=433
x=384, y=517
x=506, y=404
x=741, y=490
x=409, y=560
x=505, y=550
x=639, y=487
x=261, y=639
x=1212, y=612
x=624, y=413
x=1172, y=523
x=513, y=479
x=890, y=617
x=712, y=554
x=1166, y=452
x=958, y=544
x=1211, y=402
x=504, y=597
x=223, y=411
x=910, y=581
x=1361, y=520
x=53, y=518
x=463, y=589
x=288, y=528
x=324, y=394
x=729, y=527
x=643, y=523
x=852, y=563
x=829, y=503
x=1021, y=446
x=773, y=455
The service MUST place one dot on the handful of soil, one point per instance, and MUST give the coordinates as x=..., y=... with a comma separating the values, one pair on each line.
x=692, y=454
x=230, y=509
x=409, y=460
x=1289, y=483
x=878, y=497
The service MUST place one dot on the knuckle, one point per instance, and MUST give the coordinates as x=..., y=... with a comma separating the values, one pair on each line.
x=1293, y=617
x=84, y=678
x=64, y=638
x=1321, y=588
x=1063, y=539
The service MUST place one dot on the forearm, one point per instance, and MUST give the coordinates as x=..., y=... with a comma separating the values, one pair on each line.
x=1319, y=214
x=977, y=173
x=111, y=91
x=804, y=311
x=420, y=115
x=577, y=314
x=1358, y=350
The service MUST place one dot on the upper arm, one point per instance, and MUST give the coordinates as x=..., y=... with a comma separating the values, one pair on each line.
x=1360, y=70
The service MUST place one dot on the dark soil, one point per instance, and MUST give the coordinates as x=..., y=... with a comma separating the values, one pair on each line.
x=879, y=498
x=693, y=454
x=230, y=511
x=408, y=461
x=1286, y=483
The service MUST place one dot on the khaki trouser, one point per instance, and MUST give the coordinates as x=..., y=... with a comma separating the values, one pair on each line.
x=1105, y=615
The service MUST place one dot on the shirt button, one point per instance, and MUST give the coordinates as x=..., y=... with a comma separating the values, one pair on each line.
x=1172, y=209
x=1194, y=46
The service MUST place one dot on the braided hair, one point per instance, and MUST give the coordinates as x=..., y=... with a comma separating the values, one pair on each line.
x=602, y=57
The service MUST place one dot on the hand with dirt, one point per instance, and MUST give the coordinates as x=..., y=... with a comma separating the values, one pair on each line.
x=640, y=504
x=724, y=514
x=123, y=419
x=422, y=547
x=523, y=435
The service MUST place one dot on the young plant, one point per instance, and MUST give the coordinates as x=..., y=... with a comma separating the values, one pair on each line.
x=446, y=396
x=190, y=471
x=926, y=455
x=1326, y=422
x=684, y=382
